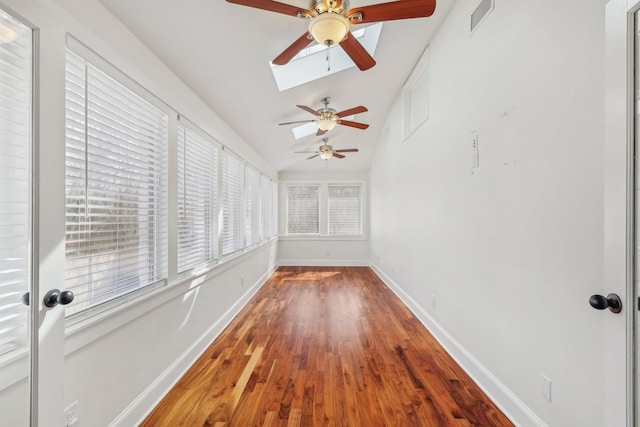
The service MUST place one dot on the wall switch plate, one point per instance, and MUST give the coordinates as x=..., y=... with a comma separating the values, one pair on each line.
x=71, y=415
x=545, y=388
x=475, y=151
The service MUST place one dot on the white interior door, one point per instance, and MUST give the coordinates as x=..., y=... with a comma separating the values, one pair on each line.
x=618, y=329
x=16, y=213
x=31, y=215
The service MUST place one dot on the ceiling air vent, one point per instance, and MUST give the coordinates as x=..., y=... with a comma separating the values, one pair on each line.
x=480, y=13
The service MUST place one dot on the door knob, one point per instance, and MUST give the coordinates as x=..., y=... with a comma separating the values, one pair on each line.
x=611, y=301
x=55, y=297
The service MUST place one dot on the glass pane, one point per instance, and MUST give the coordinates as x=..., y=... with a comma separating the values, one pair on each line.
x=116, y=228
x=15, y=217
x=303, y=209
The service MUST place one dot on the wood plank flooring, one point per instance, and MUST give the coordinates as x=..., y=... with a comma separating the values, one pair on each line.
x=325, y=346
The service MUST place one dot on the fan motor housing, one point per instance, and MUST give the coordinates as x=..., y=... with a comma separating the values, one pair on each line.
x=337, y=6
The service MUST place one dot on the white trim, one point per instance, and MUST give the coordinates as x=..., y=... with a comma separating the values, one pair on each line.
x=83, y=333
x=146, y=401
x=514, y=408
x=409, y=89
x=323, y=263
x=333, y=238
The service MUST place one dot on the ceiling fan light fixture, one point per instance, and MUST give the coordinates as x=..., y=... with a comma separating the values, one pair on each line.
x=326, y=155
x=326, y=124
x=329, y=28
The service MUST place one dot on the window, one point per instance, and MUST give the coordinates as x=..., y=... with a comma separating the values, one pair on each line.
x=232, y=172
x=311, y=62
x=252, y=197
x=116, y=187
x=15, y=183
x=344, y=211
x=303, y=209
x=274, y=209
x=326, y=210
x=197, y=198
x=265, y=207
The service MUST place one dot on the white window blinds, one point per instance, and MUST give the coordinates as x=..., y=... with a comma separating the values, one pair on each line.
x=232, y=173
x=116, y=188
x=197, y=199
x=265, y=207
x=303, y=209
x=274, y=210
x=344, y=211
x=15, y=184
x=252, y=198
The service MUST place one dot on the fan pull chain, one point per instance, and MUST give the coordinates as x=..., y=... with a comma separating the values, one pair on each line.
x=328, y=59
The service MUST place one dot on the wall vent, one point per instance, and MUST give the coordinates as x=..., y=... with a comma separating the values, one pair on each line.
x=480, y=13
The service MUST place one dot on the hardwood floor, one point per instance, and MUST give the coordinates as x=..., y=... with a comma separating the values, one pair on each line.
x=325, y=346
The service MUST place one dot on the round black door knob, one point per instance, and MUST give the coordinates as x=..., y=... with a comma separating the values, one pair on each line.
x=611, y=301
x=55, y=297
x=65, y=297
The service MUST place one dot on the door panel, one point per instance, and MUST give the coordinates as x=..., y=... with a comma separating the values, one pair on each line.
x=16, y=231
x=618, y=329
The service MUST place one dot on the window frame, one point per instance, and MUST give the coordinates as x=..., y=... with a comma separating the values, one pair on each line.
x=323, y=215
x=286, y=227
x=360, y=209
x=239, y=244
x=94, y=61
x=213, y=241
x=110, y=315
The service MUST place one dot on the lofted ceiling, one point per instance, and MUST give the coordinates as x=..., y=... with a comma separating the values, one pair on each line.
x=222, y=51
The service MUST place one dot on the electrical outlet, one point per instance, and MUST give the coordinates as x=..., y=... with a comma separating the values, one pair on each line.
x=545, y=388
x=71, y=415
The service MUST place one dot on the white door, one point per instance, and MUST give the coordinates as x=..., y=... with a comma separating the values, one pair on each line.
x=16, y=208
x=31, y=215
x=619, y=177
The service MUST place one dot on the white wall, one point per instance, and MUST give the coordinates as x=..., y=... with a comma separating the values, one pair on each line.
x=117, y=366
x=500, y=260
x=322, y=251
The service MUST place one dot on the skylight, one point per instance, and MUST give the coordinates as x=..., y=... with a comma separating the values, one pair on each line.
x=311, y=63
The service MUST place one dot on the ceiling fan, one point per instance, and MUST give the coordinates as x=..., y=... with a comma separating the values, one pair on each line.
x=326, y=151
x=329, y=22
x=328, y=118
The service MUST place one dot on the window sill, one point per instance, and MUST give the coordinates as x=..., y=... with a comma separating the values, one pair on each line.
x=323, y=238
x=81, y=332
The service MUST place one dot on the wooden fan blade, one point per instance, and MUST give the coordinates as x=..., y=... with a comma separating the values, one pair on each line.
x=320, y=132
x=305, y=152
x=346, y=150
x=301, y=121
x=357, y=53
x=309, y=110
x=351, y=111
x=309, y=158
x=340, y=156
x=293, y=50
x=401, y=9
x=353, y=124
x=273, y=6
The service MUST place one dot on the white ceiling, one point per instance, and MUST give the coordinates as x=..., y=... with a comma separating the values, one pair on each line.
x=222, y=51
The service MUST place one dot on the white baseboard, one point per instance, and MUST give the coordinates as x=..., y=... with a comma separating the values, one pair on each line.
x=146, y=401
x=323, y=263
x=514, y=408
